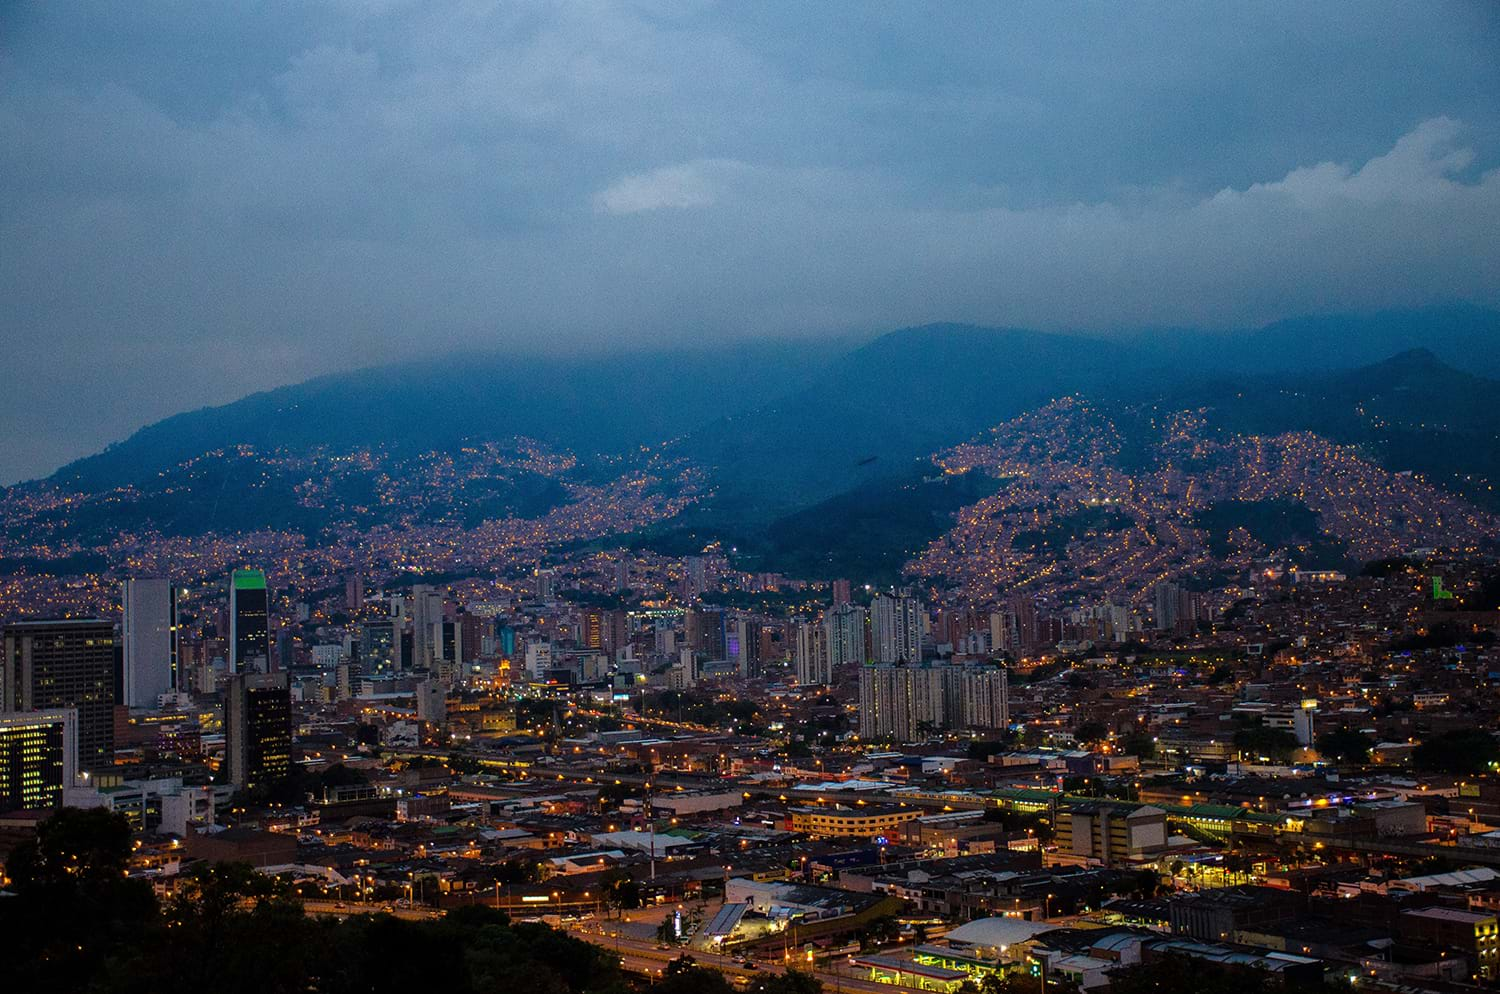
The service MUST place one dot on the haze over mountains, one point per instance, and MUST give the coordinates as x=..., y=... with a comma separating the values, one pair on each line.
x=848, y=433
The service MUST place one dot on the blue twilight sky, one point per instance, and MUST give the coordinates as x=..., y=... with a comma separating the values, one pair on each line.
x=202, y=199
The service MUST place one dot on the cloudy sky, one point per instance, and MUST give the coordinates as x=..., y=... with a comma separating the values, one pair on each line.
x=205, y=199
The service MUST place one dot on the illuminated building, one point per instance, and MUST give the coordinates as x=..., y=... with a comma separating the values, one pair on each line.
x=257, y=729
x=38, y=758
x=249, y=622
x=65, y=664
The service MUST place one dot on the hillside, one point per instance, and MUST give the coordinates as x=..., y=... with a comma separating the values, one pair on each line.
x=895, y=400
x=1073, y=515
x=589, y=405
x=831, y=475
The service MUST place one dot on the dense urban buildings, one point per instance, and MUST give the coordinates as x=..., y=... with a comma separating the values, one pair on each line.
x=71, y=664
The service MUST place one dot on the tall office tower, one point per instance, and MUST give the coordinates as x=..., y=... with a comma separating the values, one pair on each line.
x=1164, y=606
x=978, y=697
x=354, y=593
x=622, y=575
x=38, y=758
x=616, y=631
x=812, y=655
x=449, y=664
x=903, y=703
x=591, y=629
x=844, y=635
x=149, y=631
x=703, y=631
x=472, y=631
x=545, y=585
x=249, y=622
x=538, y=659
x=426, y=616
x=257, y=729
x=379, y=642
x=896, y=624
x=742, y=644
x=696, y=577
x=65, y=664
x=1028, y=634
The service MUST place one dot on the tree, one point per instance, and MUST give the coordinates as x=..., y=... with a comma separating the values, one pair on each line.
x=1139, y=743
x=1276, y=744
x=684, y=976
x=1090, y=731
x=1461, y=751
x=790, y=982
x=73, y=904
x=621, y=892
x=1345, y=745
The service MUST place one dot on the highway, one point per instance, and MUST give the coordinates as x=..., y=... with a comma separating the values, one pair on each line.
x=643, y=956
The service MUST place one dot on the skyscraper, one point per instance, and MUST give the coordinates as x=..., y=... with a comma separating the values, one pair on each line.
x=354, y=593
x=149, y=632
x=812, y=655
x=257, y=729
x=65, y=664
x=249, y=622
x=896, y=624
x=703, y=630
x=903, y=703
x=38, y=758
x=742, y=640
x=906, y=702
x=426, y=635
x=844, y=629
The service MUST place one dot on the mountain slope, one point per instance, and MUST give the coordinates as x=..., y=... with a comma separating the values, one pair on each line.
x=1409, y=412
x=1461, y=335
x=883, y=406
x=586, y=404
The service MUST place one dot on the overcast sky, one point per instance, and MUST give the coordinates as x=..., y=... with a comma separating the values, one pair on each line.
x=203, y=199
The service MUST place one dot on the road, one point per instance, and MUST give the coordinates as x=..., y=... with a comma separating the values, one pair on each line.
x=643, y=956
x=343, y=909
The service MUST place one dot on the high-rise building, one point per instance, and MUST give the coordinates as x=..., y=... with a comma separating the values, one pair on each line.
x=908, y=702
x=896, y=626
x=545, y=585
x=379, y=644
x=149, y=634
x=426, y=635
x=249, y=622
x=903, y=703
x=354, y=593
x=65, y=664
x=257, y=729
x=38, y=758
x=703, y=631
x=840, y=592
x=591, y=629
x=812, y=655
x=844, y=635
x=742, y=644
x=979, y=697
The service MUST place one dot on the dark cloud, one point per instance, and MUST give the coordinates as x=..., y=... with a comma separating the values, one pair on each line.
x=202, y=200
